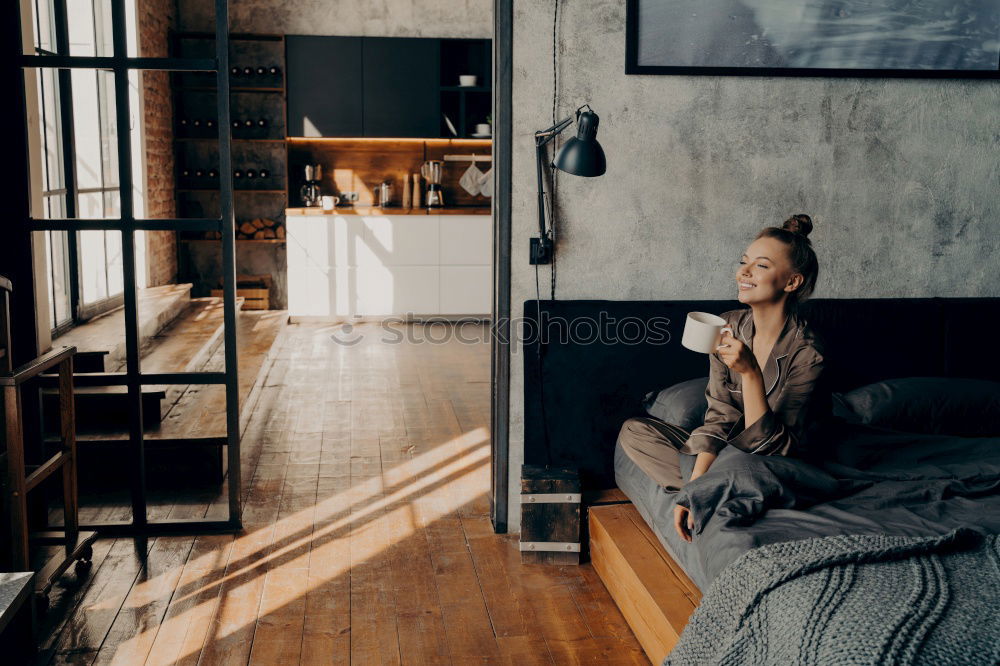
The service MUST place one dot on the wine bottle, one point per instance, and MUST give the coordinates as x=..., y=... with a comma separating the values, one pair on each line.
x=237, y=174
x=199, y=173
x=248, y=123
x=263, y=173
x=247, y=71
x=261, y=71
x=235, y=71
x=251, y=173
x=184, y=122
x=212, y=173
x=274, y=70
x=185, y=173
x=210, y=123
x=261, y=123
x=196, y=123
x=236, y=124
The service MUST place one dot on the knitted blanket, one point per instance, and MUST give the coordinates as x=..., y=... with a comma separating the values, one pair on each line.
x=853, y=600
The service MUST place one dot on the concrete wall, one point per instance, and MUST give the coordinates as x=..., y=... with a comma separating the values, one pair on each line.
x=376, y=18
x=901, y=177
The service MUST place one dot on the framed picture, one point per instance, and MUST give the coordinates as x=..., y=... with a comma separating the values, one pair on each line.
x=884, y=38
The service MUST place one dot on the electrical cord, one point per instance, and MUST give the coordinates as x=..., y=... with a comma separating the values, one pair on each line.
x=552, y=227
x=554, y=176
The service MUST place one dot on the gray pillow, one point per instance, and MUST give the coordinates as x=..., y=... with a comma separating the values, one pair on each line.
x=936, y=405
x=682, y=404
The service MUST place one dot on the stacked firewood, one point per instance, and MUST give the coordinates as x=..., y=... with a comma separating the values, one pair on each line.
x=259, y=228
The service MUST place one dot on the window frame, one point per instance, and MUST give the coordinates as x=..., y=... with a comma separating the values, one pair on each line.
x=64, y=123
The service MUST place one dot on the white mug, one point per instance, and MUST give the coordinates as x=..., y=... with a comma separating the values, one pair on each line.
x=703, y=332
x=467, y=80
x=482, y=128
x=329, y=202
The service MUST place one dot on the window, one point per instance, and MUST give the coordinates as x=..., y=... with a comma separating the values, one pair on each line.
x=79, y=146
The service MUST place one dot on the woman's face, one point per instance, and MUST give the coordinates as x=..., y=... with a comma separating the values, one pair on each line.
x=764, y=273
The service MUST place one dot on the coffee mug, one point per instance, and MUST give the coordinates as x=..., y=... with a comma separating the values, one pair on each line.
x=482, y=128
x=329, y=202
x=703, y=332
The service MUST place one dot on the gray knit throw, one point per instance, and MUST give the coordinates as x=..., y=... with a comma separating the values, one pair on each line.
x=852, y=600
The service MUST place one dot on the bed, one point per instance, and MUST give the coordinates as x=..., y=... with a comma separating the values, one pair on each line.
x=875, y=482
x=879, y=482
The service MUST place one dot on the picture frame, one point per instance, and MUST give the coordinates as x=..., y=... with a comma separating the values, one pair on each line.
x=731, y=38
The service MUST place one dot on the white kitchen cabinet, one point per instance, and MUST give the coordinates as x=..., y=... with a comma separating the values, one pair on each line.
x=330, y=240
x=466, y=240
x=397, y=290
x=465, y=290
x=341, y=266
x=400, y=240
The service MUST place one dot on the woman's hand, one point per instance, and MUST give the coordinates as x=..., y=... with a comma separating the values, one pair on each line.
x=683, y=522
x=736, y=355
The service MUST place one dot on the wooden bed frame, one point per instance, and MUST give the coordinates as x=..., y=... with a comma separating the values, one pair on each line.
x=653, y=593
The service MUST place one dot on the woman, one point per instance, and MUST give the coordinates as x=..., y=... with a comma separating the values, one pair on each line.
x=761, y=378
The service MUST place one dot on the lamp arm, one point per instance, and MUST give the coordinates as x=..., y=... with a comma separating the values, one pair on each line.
x=540, y=154
x=546, y=135
x=542, y=139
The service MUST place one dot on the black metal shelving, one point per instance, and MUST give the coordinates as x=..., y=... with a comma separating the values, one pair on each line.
x=256, y=147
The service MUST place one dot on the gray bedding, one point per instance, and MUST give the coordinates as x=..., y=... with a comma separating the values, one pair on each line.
x=871, y=481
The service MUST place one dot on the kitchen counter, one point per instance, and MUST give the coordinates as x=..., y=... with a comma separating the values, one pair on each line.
x=375, y=210
x=369, y=262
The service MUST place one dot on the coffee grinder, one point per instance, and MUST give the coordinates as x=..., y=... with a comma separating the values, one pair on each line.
x=310, y=191
x=431, y=171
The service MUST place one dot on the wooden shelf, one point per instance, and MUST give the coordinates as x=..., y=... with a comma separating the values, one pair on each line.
x=238, y=240
x=235, y=140
x=374, y=210
x=232, y=89
x=235, y=189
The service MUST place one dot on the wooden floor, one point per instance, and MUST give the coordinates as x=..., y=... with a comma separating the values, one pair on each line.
x=367, y=537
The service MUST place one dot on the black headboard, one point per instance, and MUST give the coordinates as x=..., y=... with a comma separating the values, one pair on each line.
x=601, y=357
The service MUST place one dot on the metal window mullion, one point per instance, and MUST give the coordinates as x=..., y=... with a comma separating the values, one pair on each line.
x=115, y=62
x=102, y=137
x=94, y=190
x=127, y=213
x=52, y=287
x=162, y=224
x=67, y=135
x=228, y=259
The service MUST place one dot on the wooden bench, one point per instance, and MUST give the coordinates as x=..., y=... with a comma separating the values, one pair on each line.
x=653, y=593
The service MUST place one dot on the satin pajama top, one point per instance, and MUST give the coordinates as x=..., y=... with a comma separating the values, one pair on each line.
x=792, y=386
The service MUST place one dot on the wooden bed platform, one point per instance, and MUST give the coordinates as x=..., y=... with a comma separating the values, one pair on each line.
x=653, y=592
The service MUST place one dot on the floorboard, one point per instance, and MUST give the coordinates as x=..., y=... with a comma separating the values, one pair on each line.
x=366, y=535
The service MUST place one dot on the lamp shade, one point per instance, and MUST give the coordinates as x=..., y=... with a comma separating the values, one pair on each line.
x=582, y=155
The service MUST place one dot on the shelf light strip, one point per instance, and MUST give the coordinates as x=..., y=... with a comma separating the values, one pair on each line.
x=468, y=158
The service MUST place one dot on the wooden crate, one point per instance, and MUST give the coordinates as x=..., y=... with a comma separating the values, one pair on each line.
x=550, y=515
x=253, y=298
x=654, y=594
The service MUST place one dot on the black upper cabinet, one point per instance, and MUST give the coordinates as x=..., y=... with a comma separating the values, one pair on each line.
x=385, y=86
x=324, y=86
x=401, y=97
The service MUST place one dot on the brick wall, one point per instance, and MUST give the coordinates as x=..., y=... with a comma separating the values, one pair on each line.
x=156, y=18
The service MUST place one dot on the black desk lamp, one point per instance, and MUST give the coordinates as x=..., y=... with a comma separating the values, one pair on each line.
x=581, y=156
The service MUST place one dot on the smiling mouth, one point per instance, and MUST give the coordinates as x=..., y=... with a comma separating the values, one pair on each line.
x=746, y=285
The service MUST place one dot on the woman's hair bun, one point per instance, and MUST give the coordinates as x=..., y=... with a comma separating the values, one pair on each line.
x=799, y=224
